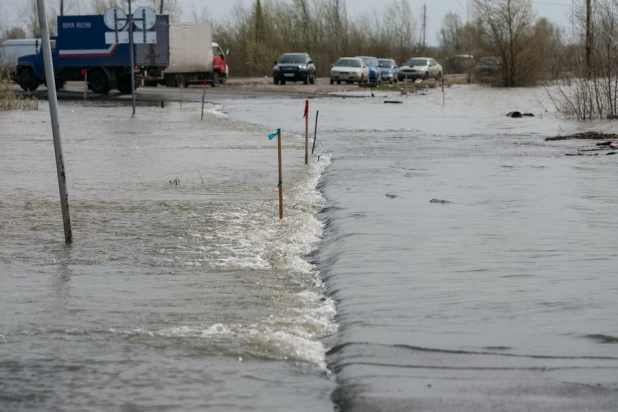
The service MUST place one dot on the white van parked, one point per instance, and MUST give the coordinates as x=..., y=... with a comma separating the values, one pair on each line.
x=11, y=50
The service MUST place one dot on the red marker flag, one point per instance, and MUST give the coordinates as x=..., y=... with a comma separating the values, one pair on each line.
x=306, y=109
x=84, y=71
x=442, y=84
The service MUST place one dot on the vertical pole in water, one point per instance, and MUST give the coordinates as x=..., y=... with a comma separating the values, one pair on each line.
x=306, y=132
x=131, y=51
x=280, y=177
x=53, y=111
x=181, y=82
x=85, y=82
x=315, y=136
x=443, y=96
x=203, y=98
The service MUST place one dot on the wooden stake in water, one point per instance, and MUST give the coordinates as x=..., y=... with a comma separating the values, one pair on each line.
x=280, y=177
x=203, y=99
x=315, y=136
x=306, y=116
x=53, y=111
x=443, y=96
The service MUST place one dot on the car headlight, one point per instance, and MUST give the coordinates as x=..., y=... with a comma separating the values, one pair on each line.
x=303, y=67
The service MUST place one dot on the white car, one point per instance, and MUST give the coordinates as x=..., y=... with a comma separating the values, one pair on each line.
x=349, y=70
x=420, y=68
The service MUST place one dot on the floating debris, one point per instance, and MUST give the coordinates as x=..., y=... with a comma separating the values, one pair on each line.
x=439, y=201
x=390, y=195
x=518, y=115
x=585, y=136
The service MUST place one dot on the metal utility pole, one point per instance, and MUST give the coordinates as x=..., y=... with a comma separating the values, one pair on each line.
x=62, y=7
x=424, y=32
x=53, y=111
x=589, y=38
x=131, y=52
x=161, y=8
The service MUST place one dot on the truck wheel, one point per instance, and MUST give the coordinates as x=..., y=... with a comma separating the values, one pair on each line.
x=97, y=81
x=60, y=84
x=28, y=80
x=215, y=79
x=124, y=85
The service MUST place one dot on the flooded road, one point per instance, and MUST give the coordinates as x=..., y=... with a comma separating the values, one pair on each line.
x=501, y=298
x=178, y=293
x=183, y=291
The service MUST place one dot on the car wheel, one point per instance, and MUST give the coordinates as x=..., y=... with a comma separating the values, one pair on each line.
x=306, y=79
x=338, y=81
x=283, y=82
x=439, y=76
x=332, y=81
x=360, y=82
x=312, y=79
x=426, y=76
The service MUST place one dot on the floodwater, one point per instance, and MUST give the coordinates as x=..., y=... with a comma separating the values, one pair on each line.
x=183, y=290
x=177, y=294
x=505, y=299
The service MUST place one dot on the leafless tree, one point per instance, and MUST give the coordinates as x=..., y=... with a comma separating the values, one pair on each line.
x=100, y=6
x=507, y=24
x=14, y=33
x=592, y=93
x=32, y=19
x=451, y=34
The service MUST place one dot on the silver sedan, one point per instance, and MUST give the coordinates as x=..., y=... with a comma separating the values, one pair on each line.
x=420, y=68
x=349, y=70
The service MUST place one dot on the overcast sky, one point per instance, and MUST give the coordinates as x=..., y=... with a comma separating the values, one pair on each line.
x=557, y=11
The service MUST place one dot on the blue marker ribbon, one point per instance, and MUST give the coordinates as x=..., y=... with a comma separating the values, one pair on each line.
x=279, y=185
x=273, y=135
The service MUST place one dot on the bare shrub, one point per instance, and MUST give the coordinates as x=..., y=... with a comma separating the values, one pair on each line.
x=10, y=101
x=593, y=92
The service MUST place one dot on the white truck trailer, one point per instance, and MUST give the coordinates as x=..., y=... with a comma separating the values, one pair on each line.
x=192, y=60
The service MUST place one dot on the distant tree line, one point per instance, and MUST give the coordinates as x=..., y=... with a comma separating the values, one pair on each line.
x=259, y=33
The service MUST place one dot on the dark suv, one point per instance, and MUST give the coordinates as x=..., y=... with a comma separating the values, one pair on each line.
x=294, y=67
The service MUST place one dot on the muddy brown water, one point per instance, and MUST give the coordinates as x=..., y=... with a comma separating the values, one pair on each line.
x=183, y=294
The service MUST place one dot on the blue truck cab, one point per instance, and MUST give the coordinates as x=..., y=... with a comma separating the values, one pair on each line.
x=80, y=49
